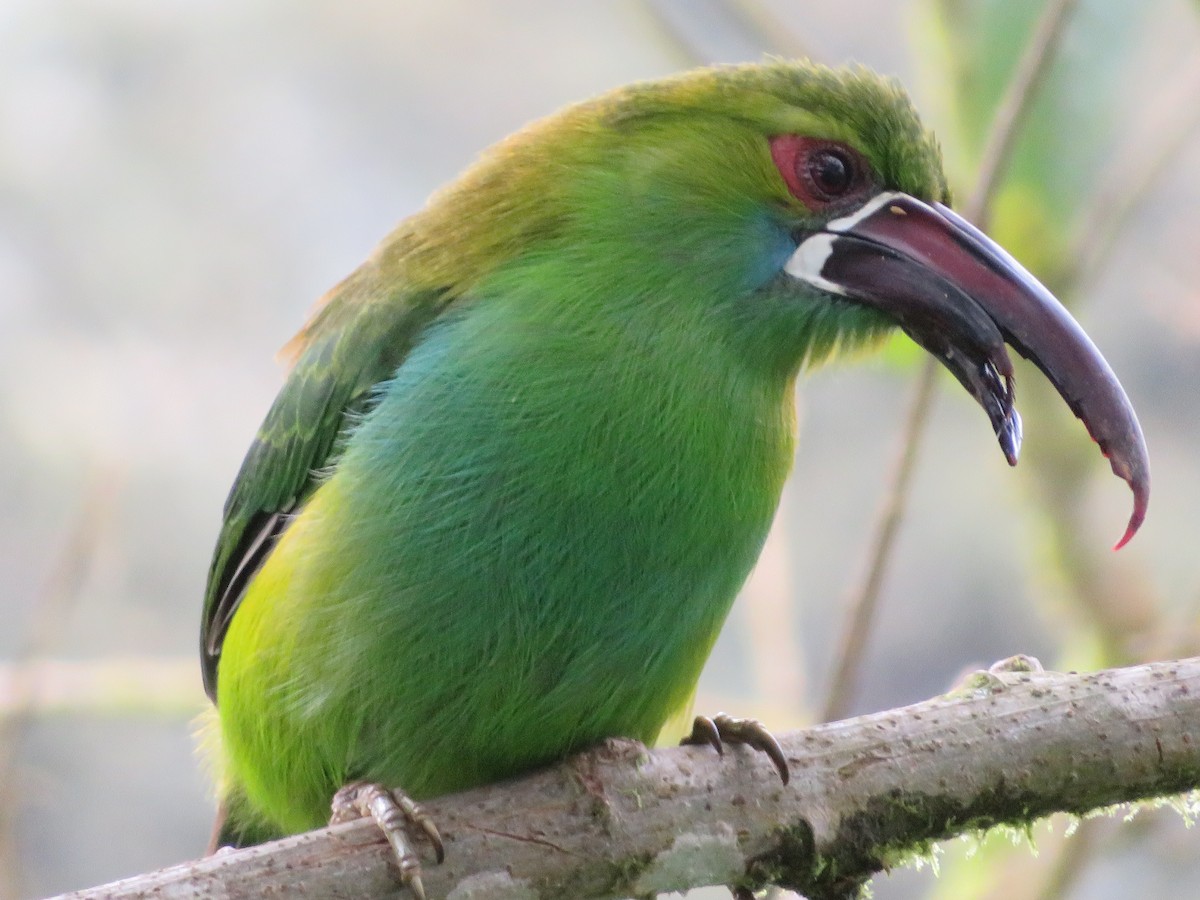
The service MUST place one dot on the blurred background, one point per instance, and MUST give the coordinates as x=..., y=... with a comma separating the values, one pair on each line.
x=179, y=181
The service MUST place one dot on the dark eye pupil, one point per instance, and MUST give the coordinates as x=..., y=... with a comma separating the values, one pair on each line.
x=830, y=172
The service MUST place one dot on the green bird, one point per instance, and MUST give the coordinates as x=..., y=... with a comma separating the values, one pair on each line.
x=529, y=451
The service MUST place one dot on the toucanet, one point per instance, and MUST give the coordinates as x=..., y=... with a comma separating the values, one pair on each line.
x=529, y=451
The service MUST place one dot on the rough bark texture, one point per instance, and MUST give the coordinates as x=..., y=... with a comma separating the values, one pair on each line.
x=1007, y=747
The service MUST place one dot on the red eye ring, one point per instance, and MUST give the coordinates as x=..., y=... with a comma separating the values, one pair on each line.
x=820, y=172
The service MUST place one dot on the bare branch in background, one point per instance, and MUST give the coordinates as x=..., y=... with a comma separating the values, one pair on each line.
x=119, y=686
x=703, y=32
x=1018, y=98
x=863, y=601
x=51, y=610
x=1135, y=167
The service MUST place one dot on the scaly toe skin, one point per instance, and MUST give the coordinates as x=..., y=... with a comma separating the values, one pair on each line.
x=751, y=732
x=391, y=810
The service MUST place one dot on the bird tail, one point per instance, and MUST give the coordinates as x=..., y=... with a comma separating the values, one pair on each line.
x=237, y=823
x=237, y=826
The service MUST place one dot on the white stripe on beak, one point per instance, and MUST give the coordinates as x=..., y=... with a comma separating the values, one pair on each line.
x=806, y=263
x=809, y=258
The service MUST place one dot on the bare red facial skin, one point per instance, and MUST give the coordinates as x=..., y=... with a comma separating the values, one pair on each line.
x=821, y=173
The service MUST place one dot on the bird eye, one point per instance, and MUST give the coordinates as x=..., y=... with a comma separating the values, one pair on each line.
x=820, y=172
x=830, y=172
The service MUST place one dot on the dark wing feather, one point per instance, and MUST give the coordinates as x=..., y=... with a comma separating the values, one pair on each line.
x=354, y=342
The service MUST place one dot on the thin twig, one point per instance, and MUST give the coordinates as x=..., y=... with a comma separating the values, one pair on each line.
x=864, y=600
x=1010, y=115
x=724, y=30
x=50, y=612
x=125, y=687
x=866, y=597
x=1073, y=856
x=774, y=32
x=1132, y=171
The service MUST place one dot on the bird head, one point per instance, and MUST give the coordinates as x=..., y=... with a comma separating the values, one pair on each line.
x=808, y=205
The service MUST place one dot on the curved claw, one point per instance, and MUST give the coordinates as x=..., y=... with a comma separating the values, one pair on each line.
x=750, y=732
x=705, y=731
x=391, y=810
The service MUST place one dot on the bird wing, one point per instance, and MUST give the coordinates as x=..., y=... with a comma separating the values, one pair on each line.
x=357, y=338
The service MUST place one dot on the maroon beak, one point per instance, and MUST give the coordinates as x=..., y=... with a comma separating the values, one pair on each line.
x=962, y=297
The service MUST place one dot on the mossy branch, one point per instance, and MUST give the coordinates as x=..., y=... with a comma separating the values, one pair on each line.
x=1007, y=747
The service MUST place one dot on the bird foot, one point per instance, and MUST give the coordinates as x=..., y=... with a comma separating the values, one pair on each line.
x=391, y=810
x=722, y=729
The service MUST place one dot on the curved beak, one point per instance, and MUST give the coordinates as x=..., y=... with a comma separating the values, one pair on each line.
x=959, y=295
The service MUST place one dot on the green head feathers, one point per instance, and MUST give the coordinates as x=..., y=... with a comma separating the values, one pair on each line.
x=640, y=157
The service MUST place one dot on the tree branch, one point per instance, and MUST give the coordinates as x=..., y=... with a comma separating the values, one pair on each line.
x=1007, y=747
